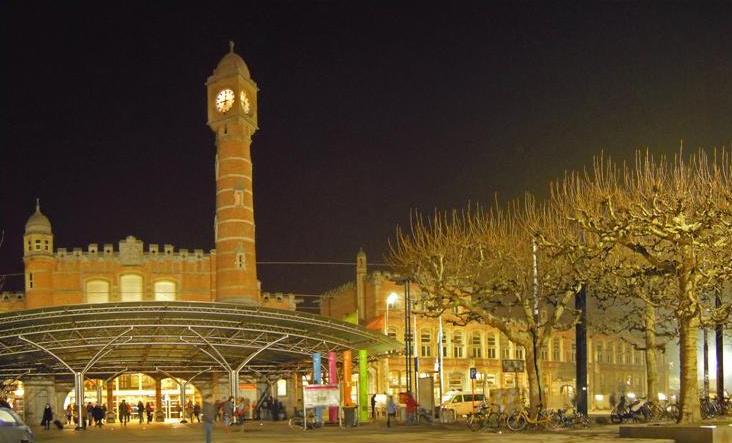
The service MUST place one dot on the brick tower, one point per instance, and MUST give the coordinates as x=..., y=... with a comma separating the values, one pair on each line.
x=232, y=115
x=38, y=259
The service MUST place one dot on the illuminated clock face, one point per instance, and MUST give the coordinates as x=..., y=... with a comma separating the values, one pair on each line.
x=244, y=101
x=224, y=100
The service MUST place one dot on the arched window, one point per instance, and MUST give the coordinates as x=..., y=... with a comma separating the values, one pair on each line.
x=130, y=287
x=97, y=291
x=165, y=290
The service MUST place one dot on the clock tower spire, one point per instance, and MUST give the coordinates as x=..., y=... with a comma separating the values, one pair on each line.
x=232, y=116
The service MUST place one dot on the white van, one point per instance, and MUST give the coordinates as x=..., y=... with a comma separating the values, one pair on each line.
x=462, y=403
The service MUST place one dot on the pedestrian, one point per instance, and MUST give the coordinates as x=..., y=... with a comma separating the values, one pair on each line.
x=47, y=417
x=89, y=408
x=373, y=406
x=98, y=414
x=228, y=412
x=189, y=411
x=140, y=411
x=149, y=411
x=411, y=409
x=390, y=410
x=209, y=412
x=69, y=413
x=123, y=413
x=197, y=412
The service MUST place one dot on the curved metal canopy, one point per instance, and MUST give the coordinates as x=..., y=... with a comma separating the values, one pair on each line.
x=175, y=337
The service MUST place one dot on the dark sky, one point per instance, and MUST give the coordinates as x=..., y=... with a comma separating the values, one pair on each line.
x=367, y=111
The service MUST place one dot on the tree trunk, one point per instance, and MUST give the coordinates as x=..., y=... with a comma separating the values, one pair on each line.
x=533, y=374
x=651, y=363
x=689, y=394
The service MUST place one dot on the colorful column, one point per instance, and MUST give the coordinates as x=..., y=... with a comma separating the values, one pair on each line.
x=317, y=379
x=363, y=385
x=333, y=380
x=347, y=378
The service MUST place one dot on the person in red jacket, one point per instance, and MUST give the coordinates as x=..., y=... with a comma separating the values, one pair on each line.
x=411, y=408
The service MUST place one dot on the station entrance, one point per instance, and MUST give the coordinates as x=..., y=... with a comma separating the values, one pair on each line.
x=169, y=353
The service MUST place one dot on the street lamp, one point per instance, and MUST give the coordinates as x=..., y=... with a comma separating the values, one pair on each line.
x=390, y=300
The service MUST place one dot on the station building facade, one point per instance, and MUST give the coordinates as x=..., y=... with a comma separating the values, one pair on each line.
x=130, y=271
x=614, y=365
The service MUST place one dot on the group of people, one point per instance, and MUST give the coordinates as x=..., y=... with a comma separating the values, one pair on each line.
x=410, y=404
x=143, y=411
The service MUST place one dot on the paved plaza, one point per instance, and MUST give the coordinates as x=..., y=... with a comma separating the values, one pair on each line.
x=269, y=432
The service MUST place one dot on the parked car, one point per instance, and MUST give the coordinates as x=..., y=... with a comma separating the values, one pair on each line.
x=462, y=403
x=13, y=429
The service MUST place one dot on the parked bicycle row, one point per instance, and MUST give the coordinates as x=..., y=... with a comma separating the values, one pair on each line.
x=494, y=417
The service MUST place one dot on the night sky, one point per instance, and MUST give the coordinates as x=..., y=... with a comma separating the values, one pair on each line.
x=368, y=110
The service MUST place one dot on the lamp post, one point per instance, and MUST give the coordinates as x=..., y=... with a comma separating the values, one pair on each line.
x=390, y=300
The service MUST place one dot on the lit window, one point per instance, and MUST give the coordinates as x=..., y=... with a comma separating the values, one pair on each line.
x=491, y=342
x=476, y=347
x=544, y=353
x=425, y=339
x=392, y=333
x=281, y=388
x=165, y=290
x=455, y=381
x=239, y=198
x=457, y=344
x=130, y=288
x=491, y=380
x=445, y=352
x=97, y=291
x=556, y=349
x=519, y=353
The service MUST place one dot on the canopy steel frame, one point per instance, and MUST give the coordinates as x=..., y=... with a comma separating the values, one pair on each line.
x=181, y=338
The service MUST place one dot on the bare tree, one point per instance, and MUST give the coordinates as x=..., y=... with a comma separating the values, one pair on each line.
x=484, y=266
x=675, y=218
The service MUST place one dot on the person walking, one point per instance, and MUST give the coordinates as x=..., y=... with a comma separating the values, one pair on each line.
x=140, y=411
x=47, y=417
x=98, y=415
x=197, y=412
x=69, y=413
x=209, y=412
x=84, y=415
x=373, y=406
x=123, y=413
x=149, y=411
x=390, y=410
x=228, y=412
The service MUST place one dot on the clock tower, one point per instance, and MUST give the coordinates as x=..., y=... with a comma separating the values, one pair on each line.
x=232, y=115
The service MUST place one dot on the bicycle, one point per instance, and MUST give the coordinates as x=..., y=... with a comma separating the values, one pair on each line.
x=521, y=418
x=297, y=422
x=569, y=418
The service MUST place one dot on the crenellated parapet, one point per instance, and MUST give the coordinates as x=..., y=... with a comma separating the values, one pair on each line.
x=11, y=300
x=130, y=252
